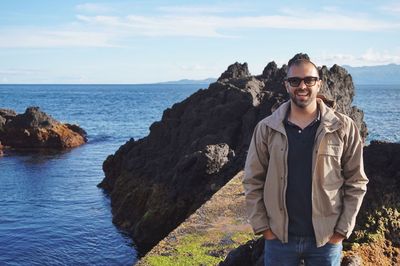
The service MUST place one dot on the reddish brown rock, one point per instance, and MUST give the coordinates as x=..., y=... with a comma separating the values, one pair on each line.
x=35, y=129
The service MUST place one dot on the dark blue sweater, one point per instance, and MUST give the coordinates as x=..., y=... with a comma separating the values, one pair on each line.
x=298, y=193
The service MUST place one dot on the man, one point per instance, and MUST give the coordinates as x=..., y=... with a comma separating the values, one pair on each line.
x=304, y=179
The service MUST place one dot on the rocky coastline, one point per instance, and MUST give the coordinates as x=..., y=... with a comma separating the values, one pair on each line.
x=218, y=232
x=36, y=130
x=158, y=181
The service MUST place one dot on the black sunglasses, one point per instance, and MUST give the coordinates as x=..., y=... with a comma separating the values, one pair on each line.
x=295, y=81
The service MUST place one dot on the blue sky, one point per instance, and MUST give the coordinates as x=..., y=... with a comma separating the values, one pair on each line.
x=151, y=41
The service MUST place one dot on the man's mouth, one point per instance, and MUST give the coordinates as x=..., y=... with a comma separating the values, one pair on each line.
x=302, y=93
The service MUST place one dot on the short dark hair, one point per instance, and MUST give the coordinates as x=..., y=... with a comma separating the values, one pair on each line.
x=299, y=59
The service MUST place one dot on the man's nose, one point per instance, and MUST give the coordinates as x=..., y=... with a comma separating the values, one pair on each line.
x=302, y=84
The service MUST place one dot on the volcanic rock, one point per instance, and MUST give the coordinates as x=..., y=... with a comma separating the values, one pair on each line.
x=35, y=129
x=352, y=261
x=5, y=116
x=250, y=253
x=199, y=144
x=7, y=113
x=235, y=71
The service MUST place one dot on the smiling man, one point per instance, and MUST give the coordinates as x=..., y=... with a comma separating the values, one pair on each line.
x=304, y=177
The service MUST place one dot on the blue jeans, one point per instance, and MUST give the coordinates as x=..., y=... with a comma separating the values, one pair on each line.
x=277, y=253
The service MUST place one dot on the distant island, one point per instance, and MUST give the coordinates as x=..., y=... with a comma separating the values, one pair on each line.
x=190, y=81
x=383, y=74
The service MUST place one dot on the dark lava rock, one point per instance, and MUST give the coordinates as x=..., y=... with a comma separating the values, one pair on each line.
x=35, y=129
x=235, y=71
x=7, y=113
x=5, y=116
x=156, y=182
x=352, y=261
x=380, y=211
x=382, y=166
x=250, y=253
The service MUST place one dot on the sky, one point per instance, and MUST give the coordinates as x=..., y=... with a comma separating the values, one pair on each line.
x=133, y=42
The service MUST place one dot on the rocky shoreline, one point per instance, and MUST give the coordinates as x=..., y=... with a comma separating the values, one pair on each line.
x=219, y=233
x=36, y=130
x=158, y=181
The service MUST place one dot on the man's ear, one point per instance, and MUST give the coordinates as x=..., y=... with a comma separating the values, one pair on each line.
x=319, y=84
x=286, y=86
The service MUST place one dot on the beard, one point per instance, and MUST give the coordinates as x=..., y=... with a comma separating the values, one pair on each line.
x=303, y=100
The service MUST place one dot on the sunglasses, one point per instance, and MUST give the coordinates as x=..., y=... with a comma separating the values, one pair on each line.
x=308, y=81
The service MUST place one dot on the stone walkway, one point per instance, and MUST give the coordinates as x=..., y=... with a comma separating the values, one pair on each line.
x=206, y=237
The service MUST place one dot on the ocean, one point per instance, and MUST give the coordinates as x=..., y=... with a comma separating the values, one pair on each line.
x=51, y=211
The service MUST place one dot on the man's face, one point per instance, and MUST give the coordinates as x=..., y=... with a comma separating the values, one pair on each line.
x=305, y=92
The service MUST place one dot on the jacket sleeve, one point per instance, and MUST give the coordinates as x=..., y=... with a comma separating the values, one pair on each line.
x=254, y=179
x=355, y=184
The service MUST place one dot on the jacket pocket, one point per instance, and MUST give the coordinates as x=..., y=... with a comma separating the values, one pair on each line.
x=330, y=169
x=335, y=150
x=330, y=178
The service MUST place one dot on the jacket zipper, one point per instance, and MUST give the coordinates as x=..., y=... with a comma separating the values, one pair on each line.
x=283, y=205
x=323, y=132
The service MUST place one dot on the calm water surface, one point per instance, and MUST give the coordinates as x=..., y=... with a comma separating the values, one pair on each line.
x=51, y=211
x=381, y=106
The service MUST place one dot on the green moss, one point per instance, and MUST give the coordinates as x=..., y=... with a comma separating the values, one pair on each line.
x=379, y=224
x=200, y=249
x=148, y=214
x=242, y=237
x=191, y=250
x=374, y=237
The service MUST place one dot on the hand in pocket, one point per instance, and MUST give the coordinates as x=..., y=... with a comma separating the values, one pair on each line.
x=269, y=235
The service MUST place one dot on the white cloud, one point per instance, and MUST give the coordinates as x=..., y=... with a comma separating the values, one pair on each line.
x=18, y=75
x=370, y=57
x=214, y=26
x=195, y=67
x=379, y=57
x=39, y=76
x=158, y=26
x=330, y=8
x=202, y=9
x=18, y=71
x=104, y=20
x=43, y=38
x=337, y=57
x=392, y=8
x=200, y=21
x=93, y=8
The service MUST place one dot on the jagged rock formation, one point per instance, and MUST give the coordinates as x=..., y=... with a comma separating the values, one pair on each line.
x=235, y=71
x=376, y=237
x=35, y=129
x=199, y=144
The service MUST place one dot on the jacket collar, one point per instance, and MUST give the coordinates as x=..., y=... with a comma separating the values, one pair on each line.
x=329, y=120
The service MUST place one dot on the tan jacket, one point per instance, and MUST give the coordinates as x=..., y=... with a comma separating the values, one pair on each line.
x=338, y=178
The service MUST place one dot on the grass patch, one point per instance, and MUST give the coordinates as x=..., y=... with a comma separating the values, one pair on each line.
x=200, y=249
